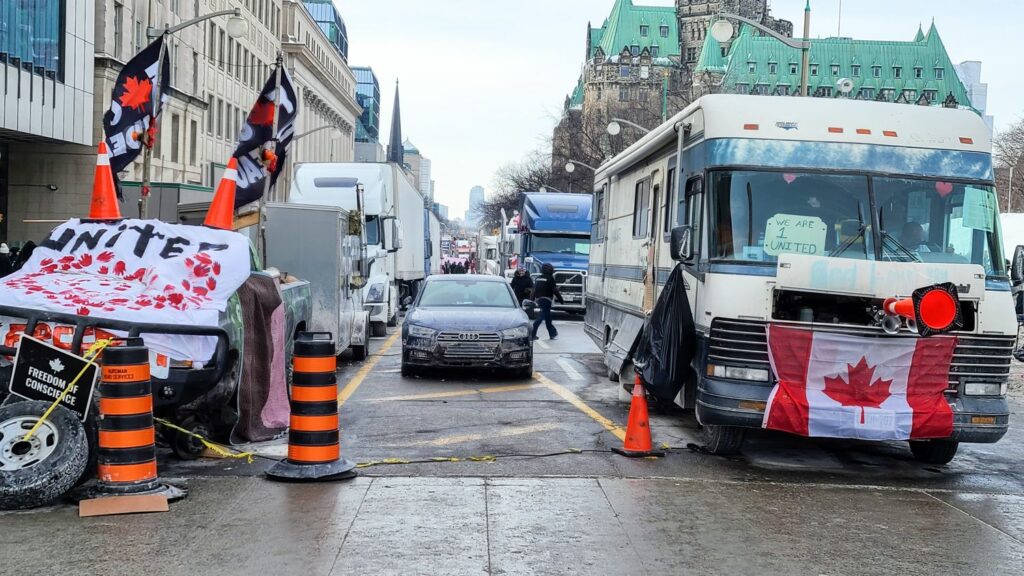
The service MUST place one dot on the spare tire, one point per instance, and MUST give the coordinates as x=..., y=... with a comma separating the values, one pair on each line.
x=37, y=471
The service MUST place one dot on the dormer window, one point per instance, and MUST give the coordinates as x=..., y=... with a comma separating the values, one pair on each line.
x=855, y=70
x=645, y=30
x=814, y=69
x=940, y=73
x=876, y=71
x=897, y=72
x=793, y=68
x=664, y=31
x=752, y=67
x=654, y=51
x=835, y=69
x=634, y=50
x=918, y=72
x=773, y=68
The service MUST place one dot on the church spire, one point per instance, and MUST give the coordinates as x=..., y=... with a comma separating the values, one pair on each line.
x=396, y=152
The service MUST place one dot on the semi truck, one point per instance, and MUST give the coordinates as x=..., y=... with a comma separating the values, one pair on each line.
x=394, y=227
x=808, y=214
x=554, y=228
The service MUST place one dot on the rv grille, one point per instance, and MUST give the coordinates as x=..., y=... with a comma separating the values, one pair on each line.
x=981, y=358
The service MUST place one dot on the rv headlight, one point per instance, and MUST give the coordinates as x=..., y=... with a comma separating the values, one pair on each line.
x=376, y=293
x=421, y=331
x=985, y=389
x=736, y=373
x=517, y=332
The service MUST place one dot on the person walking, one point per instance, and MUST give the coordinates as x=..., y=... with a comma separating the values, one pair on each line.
x=545, y=291
x=522, y=285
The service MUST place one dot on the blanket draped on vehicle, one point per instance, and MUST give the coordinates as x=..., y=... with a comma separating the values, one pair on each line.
x=842, y=386
x=144, y=271
x=668, y=342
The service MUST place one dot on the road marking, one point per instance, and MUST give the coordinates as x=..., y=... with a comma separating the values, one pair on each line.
x=542, y=344
x=576, y=401
x=456, y=393
x=505, y=433
x=356, y=380
x=567, y=366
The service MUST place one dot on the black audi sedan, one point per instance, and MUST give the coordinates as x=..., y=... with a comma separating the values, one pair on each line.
x=467, y=321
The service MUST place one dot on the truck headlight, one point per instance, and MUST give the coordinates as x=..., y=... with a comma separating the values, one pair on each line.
x=421, y=331
x=736, y=373
x=985, y=389
x=376, y=293
x=517, y=332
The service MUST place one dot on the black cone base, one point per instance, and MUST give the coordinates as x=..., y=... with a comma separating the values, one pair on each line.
x=635, y=454
x=95, y=490
x=286, y=471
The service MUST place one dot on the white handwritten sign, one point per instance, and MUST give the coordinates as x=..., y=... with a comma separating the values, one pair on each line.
x=792, y=234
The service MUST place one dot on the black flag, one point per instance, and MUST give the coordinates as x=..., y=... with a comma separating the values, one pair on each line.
x=132, y=105
x=257, y=136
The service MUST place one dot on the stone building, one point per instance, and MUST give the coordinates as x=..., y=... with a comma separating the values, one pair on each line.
x=696, y=16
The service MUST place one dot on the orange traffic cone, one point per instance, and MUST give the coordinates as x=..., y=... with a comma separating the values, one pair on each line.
x=222, y=210
x=637, y=443
x=104, y=198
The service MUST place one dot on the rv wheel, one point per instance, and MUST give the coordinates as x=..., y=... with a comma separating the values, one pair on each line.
x=936, y=452
x=722, y=440
x=39, y=470
x=378, y=329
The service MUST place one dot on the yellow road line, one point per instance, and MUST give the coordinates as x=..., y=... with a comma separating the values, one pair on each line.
x=456, y=393
x=576, y=401
x=505, y=432
x=356, y=380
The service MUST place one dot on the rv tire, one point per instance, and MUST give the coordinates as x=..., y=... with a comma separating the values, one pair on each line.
x=378, y=329
x=722, y=440
x=937, y=452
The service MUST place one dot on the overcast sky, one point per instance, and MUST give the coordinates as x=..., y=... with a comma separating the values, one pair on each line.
x=483, y=81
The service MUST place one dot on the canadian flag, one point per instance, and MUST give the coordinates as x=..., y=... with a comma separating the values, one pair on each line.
x=843, y=386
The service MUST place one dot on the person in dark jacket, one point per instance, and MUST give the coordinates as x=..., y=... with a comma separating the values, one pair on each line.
x=6, y=266
x=545, y=291
x=522, y=285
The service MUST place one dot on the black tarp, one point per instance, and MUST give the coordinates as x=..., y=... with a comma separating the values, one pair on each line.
x=668, y=341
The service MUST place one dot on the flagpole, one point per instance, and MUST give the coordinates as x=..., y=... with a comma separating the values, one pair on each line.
x=266, y=182
x=147, y=153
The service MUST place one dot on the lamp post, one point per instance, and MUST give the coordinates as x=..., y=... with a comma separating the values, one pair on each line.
x=293, y=159
x=615, y=126
x=236, y=28
x=722, y=32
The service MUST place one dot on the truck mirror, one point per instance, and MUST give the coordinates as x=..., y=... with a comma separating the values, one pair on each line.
x=396, y=234
x=682, y=244
x=1017, y=266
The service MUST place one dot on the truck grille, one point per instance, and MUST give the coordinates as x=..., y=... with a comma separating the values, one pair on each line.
x=469, y=345
x=572, y=285
x=979, y=358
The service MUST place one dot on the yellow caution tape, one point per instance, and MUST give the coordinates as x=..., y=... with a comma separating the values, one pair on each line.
x=221, y=450
x=90, y=356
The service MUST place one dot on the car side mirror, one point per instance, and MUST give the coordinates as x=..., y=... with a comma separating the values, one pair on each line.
x=682, y=244
x=406, y=301
x=529, y=304
x=1017, y=266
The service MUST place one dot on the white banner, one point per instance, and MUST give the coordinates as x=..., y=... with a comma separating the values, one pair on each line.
x=135, y=271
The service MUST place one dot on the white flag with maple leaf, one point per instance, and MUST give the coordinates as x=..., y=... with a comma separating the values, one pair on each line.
x=841, y=386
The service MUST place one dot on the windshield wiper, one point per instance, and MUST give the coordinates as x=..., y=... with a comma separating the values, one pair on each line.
x=860, y=234
x=899, y=247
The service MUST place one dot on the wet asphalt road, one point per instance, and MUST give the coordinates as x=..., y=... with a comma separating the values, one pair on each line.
x=522, y=500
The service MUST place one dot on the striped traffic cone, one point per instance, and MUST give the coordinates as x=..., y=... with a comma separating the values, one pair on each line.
x=222, y=210
x=314, y=443
x=104, y=204
x=126, y=457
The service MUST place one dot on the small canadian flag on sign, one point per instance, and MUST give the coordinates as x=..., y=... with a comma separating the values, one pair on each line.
x=843, y=386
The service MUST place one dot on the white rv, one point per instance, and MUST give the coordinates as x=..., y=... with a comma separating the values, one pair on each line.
x=394, y=227
x=796, y=212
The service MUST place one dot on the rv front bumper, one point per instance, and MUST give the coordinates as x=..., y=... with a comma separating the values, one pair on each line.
x=720, y=402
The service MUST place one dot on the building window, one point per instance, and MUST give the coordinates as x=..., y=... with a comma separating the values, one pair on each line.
x=909, y=95
x=825, y=92
x=887, y=93
x=814, y=69
x=835, y=69
x=761, y=89
x=209, y=113
x=645, y=30
x=175, y=136
x=793, y=69
x=691, y=54
x=876, y=71
x=897, y=72
x=742, y=88
x=782, y=90
x=33, y=34
x=725, y=51
x=940, y=73
x=918, y=72
x=867, y=93
x=634, y=50
x=192, y=140
x=118, y=18
x=654, y=51
x=752, y=67
x=624, y=71
x=664, y=31
x=220, y=48
x=773, y=68
x=220, y=118
x=138, y=36
x=641, y=209
x=930, y=95
x=239, y=63
x=855, y=70
x=623, y=93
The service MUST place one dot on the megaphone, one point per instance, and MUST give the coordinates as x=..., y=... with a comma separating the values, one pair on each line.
x=933, y=309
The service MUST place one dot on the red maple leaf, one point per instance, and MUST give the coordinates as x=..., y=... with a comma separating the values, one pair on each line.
x=262, y=113
x=859, y=391
x=136, y=93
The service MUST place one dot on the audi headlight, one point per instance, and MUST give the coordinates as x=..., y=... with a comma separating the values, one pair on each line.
x=376, y=293
x=517, y=332
x=421, y=331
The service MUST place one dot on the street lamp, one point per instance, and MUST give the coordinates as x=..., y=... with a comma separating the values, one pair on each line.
x=570, y=166
x=236, y=26
x=615, y=126
x=295, y=152
x=722, y=32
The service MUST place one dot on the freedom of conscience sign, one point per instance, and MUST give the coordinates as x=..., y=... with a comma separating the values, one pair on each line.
x=42, y=372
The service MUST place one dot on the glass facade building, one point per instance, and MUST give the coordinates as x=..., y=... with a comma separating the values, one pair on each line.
x=330, y=21
x=31, y=35
x=368, y=96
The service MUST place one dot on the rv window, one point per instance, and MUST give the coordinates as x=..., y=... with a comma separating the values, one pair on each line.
x=597, y=230
x=670, y=192
x=641, y=208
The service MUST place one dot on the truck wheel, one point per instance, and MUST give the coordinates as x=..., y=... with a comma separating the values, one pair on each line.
x=936, y=452
x=393, y=321
x=722, y=440
x=378, y=329
x=40, y=470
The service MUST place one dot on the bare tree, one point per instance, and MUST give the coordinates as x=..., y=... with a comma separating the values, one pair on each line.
x=1008, y=150
x=513, y=179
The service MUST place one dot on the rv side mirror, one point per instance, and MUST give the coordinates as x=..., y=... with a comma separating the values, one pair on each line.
x=1017, y=266
x=406, y=301
x=682, y=244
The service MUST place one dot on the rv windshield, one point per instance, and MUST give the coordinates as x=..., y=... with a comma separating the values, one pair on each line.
x=761, y=215
x=560, y=244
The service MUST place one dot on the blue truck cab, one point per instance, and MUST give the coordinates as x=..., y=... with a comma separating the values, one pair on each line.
x=555, y=229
